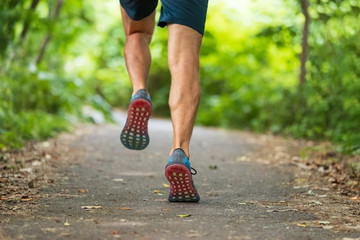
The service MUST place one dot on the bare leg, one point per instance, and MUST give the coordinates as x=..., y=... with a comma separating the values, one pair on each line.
x=138, y=59
x=183, y=56
x=137, y=52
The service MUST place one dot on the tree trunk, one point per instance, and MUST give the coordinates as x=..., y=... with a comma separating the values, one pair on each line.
x=43, y=48
x=33, y=6
x=47, y=38
x=304, y=43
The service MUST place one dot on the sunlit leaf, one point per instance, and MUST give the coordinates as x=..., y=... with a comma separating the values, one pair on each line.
x=125, y=208
x=91, y=207
x=159, y=192
x=67, y=223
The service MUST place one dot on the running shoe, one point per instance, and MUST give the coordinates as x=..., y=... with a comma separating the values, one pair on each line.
x=178, y=173
x=135, y=132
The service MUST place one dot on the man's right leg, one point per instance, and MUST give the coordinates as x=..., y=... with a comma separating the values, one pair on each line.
x=137, y=52
x=138, y=59
x=185, y=27
x=183, y=47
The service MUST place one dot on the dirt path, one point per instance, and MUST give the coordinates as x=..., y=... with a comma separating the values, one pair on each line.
x=86, y=185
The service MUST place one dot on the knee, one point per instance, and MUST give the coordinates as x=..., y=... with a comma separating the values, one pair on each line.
x=190, y=65
x=138, y=37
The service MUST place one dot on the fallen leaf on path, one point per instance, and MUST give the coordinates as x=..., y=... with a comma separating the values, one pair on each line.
x=25, y=198
x=36, y=163
x=2, y=180
x=316, y=202
x=212, y=194
x=301, y=225
x=158, y=192
x=67, y=222
x=166, y=185
x=324, y=222
x=243, y=159
x=356, y=198
x=125, y=208
x=193, y=235
x=213, y=167
x=118, y=179
x=64, y=235
x=31, y=184
x=274, y=210
x=4, y=198
x=82, y=191
x=184, y=215
x=28, y=170
x=164, y=209
x=91, y=207
x=115, y=232
x=242, y=203
x=352, y=183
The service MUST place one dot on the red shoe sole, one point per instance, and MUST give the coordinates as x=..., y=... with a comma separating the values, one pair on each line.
x=181, y=186
x=135, y=132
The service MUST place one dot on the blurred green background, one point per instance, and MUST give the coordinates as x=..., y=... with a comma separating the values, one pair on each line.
x=57, y=56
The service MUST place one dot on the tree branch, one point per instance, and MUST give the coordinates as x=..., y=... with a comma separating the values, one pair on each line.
x=47, y=38
x=33, y=6
x=304, y=43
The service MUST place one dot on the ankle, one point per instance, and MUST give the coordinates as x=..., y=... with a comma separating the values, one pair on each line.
x=136, y=89
x=186, y=151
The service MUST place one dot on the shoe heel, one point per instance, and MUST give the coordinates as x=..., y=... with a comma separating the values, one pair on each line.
x=135, y=132
x=181, y=186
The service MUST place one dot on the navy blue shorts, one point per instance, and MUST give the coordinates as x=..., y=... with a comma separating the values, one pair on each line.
x=191, y=13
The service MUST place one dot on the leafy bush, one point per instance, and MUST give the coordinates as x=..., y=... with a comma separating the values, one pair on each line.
x=40, y=95
x=249, y=68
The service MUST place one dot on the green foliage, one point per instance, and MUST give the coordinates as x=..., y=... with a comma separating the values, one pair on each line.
x=40, y=94
x=244, y=76
x=15, y=128
x=10, y=15
x=253, y=82
x=330, y=100
x=34, y=105
x=249, y=68
x=160, y=78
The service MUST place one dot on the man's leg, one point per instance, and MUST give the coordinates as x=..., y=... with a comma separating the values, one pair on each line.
x=137, y=52
x=183, y=56
x=183, y=49
x=138, y=59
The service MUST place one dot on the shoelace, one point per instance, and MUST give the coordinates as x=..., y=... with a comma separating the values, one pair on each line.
x=193, y=172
